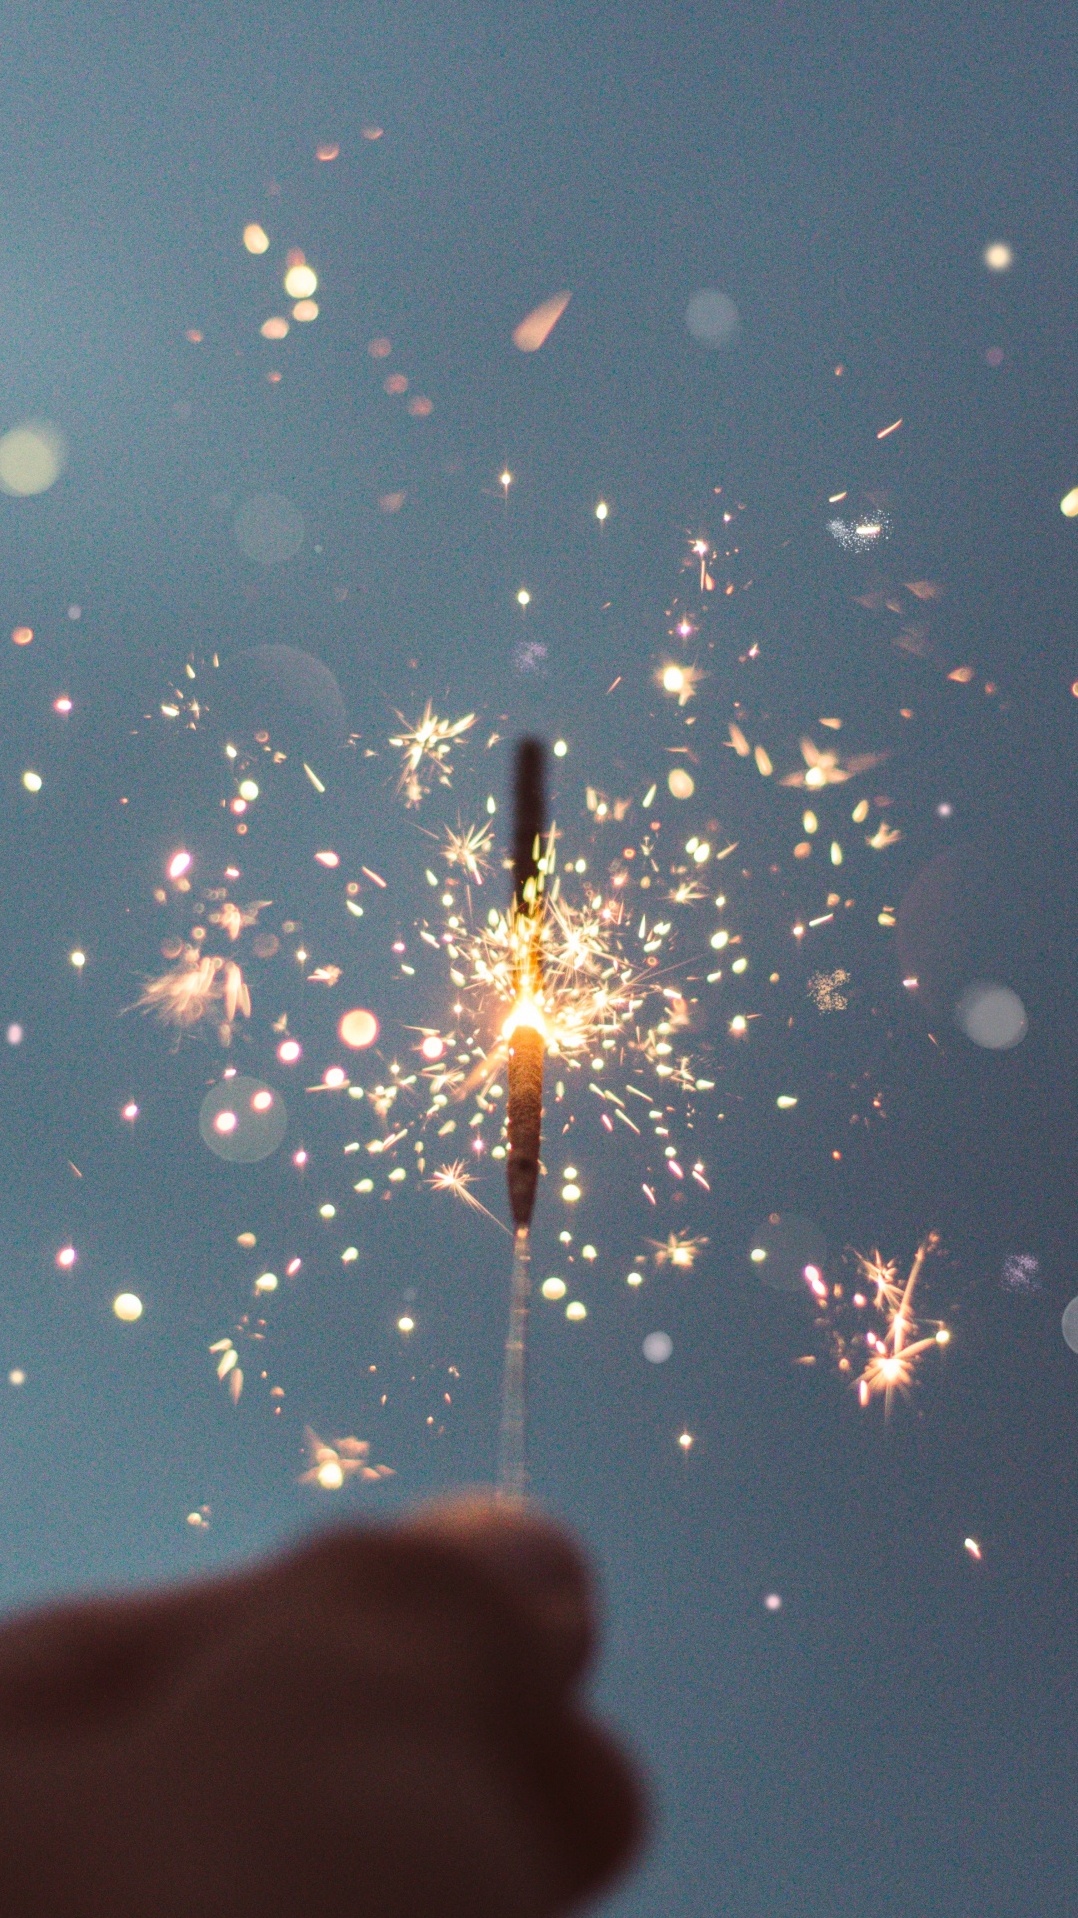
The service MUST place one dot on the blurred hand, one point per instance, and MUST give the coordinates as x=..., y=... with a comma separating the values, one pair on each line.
x=383, y=1724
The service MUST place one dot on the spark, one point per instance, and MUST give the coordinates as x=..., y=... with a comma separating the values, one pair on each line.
x=469, y=848
x=825, y=988
x=827, y=769
x=860, y=535
x=191, y=990
x=679, y=682
x=678, y=1249
x=536, y=327
x=457, y=1180
x=425, y=750
x=329, y=1465
x=895, y=1354
x=235, y=919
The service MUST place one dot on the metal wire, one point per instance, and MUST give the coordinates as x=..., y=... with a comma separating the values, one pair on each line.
x=512, y=1461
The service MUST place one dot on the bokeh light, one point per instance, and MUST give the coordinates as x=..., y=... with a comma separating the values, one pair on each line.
x=553, y=1288
x=22, y=635
x=788, y=1251
x=358, y=1029
x=1068, y=506
x=680, y=783
x=1070, y=1325
x=992, y=1016
x=657, y=1347
x=998, y=256
x=127, y=1307
x=255, y=238
x=237, y=1128
x=285, y=693
x=712, y=318
x=32, y=458
x=300, y=282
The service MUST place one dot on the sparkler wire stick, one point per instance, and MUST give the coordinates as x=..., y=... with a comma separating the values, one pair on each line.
x=527, y=1044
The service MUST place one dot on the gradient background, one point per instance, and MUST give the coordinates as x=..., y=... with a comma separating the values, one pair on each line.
x=900, y=1738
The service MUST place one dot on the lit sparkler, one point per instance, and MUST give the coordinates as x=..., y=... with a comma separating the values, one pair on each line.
x=526, y=1037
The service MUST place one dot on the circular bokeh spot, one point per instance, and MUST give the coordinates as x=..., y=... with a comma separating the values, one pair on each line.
x=979, y=914
x=358, y=1029
x=1070, y=1325
x=785, y=1250
x=32, y=458
x=680, y=783
x=242, y=1120
x=712, y=318
x=285, y=693
x=657, y=1347
x=268, y=529
x=992, y=1016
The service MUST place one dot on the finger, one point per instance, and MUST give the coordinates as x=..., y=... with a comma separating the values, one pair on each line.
x=595, y=1805
x=510, y=1584
x=532, y=1561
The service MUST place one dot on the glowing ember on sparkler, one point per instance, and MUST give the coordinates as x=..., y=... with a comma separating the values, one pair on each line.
x=525, y=1033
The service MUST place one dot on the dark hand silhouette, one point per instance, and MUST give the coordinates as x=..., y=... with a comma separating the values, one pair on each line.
x=381, y=1725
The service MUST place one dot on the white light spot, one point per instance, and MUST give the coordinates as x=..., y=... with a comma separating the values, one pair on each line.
x=992, y=1016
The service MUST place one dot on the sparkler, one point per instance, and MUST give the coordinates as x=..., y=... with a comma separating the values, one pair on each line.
x=526, y=1037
